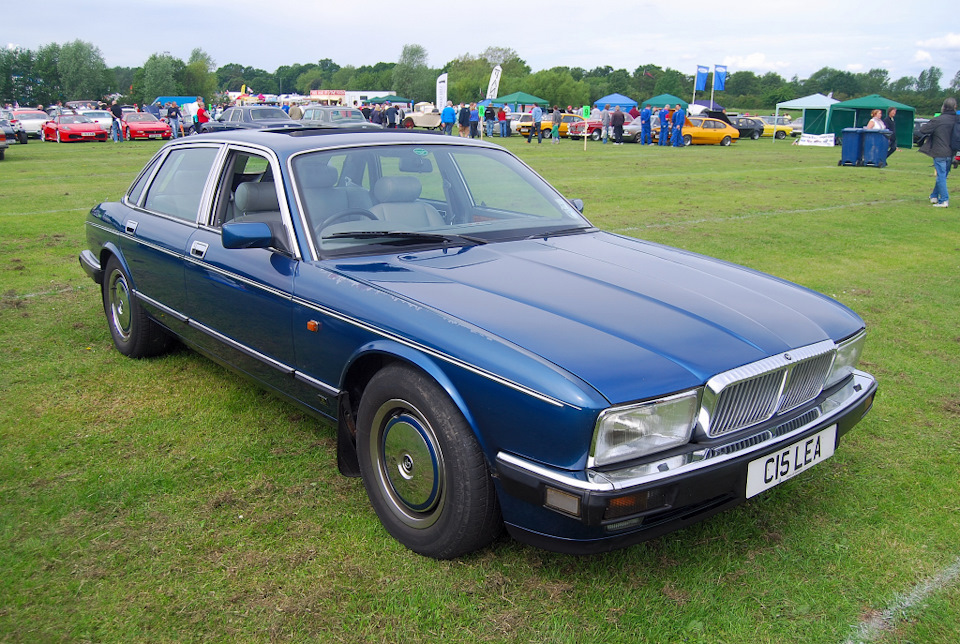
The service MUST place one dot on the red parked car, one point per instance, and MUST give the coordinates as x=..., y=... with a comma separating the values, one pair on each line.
x=593, y=128
x=142, y=125
x=63, y=128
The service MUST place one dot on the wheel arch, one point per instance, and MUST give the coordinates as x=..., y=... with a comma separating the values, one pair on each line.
x=365, y=363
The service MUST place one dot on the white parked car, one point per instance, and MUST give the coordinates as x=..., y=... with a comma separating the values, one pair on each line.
x=103, y=117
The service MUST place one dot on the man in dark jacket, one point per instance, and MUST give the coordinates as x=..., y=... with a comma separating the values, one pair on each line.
x=937, y=146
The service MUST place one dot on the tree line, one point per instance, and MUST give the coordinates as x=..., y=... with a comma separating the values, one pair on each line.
x=76, y=70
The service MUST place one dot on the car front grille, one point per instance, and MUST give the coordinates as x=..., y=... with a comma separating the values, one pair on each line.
x=754, y=393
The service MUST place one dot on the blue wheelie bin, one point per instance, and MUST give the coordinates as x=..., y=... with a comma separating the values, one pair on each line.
x=851, y=150
x=875, y=146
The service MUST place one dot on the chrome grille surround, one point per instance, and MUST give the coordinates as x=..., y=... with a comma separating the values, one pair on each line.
x=751, y=394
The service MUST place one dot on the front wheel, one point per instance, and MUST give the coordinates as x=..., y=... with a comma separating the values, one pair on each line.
x=134, y=334
x=595, y=135
x=22, y=137
x=423, y=470
x=58, y=137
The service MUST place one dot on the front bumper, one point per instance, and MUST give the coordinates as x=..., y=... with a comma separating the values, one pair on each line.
x=595, y=511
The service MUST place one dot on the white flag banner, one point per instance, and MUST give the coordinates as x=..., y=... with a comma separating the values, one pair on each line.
x=441, y=91
x=494, y=86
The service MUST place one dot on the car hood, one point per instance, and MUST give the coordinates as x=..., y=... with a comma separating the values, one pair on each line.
x=633, y=319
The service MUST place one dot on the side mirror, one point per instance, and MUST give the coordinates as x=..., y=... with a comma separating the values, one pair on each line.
x=578, y=204
x=247, y=234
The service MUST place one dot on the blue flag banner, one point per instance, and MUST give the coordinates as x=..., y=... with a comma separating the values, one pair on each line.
x=701, y=78
x=719, y=77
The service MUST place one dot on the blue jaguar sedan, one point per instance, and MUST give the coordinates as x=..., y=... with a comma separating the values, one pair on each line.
x=491, y=360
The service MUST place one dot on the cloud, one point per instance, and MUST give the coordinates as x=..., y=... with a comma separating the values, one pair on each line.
x=755, y=61
x=855, y=68
x=950, y=41
x=922, y=56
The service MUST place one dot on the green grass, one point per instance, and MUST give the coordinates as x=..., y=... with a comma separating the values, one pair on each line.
x=168, y=500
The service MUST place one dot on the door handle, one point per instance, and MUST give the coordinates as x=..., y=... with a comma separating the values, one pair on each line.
x=198, y=249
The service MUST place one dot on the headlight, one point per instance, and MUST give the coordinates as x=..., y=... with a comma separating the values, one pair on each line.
x=624, y=433
x=848, y=355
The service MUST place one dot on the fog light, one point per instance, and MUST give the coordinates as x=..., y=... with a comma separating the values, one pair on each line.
x=623, y=506
x=562, y=501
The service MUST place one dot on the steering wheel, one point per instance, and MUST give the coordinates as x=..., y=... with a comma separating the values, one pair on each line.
x=362, y=212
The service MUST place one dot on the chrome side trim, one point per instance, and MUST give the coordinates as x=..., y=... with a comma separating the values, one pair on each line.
x=828, y=410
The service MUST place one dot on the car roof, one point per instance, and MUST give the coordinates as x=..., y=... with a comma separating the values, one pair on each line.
x=286, y=141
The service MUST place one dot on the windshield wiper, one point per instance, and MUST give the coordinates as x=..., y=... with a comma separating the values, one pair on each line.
x=408, y=237
x=563, y=231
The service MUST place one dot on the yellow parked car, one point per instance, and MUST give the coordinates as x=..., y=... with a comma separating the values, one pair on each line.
x=779, y=124
x=522, y=125
x=697, y=130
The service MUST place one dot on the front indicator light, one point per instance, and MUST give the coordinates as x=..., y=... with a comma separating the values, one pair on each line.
x=562, y=501
x=623, y=506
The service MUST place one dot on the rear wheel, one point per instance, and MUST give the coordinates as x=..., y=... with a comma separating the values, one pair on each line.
x=726, y=141
x=780, y=134
x=422, y=468
x=687, y=139
x=22, y=137
x=754, y=135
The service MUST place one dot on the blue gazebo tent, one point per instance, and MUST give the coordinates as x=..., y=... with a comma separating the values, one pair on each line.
x=625, y=102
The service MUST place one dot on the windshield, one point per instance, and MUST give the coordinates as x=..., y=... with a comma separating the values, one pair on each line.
x=425, y=194
x=140, y=117
x=74, y=118
x=345, y=115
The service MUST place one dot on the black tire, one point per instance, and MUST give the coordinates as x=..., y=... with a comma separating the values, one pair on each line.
x=134, y=334
x=754, y=135
x=423, y=470
x=596, y=135
x=22, y=137
x=780, y=134
x=2, y=153
x=687, y=140
x=726, y=141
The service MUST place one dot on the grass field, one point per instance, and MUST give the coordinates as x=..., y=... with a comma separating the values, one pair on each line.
x=168, y=500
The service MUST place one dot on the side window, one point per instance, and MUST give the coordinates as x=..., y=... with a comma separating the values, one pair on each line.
x=233, y=200
x=137, y=189
x=177, y=190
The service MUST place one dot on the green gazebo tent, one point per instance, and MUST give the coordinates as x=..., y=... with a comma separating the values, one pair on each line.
x=664, y=100
x=392, y=98
x=815, y=109
x=521, y=98
x=856, y=113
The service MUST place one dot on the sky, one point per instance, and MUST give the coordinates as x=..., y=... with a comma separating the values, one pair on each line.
x=789, y=38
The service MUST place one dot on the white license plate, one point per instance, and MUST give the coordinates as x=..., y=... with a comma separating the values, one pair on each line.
x=88, y=133
x=773, y=469
x=154, y=136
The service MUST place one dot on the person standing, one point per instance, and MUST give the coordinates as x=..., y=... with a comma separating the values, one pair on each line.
x=296, y=112
x=173, y=118
x=678, y=118
x=463, y=121
x=605, y=122
x=202, y=115
x=504, y=123
x=875, y=122
x=390, y=114
x=664, y=116
x=645, y=116
x=474, y=121
x=937, y=146
x=537, y=123
x=890, y=124
x=555, y=120
x=489, y=119
x=116, y=127
x=617, y=119
x=447, y=118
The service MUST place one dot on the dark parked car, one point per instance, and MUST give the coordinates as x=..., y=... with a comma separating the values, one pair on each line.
x=250, y=117
x=3, y=145
x=12, y=127
x=336, y=116
x=749, y=128
x=489, y=357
